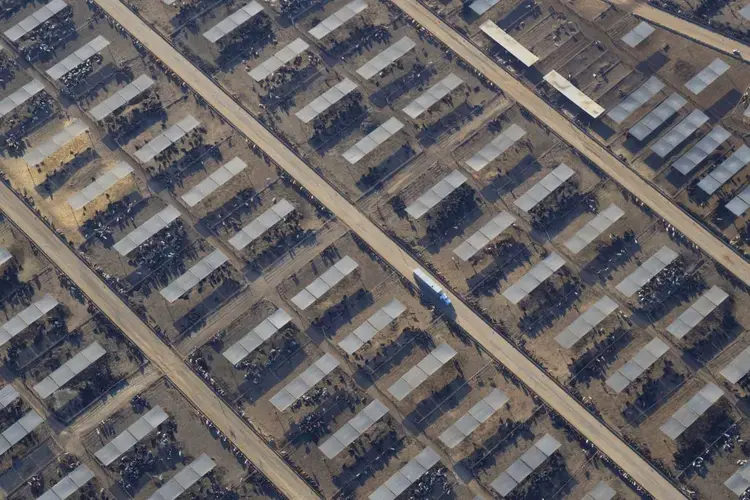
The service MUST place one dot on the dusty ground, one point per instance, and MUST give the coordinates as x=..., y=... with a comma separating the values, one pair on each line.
x=191, y=438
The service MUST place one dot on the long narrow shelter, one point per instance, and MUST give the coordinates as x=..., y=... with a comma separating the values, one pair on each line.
x=37, y=155
x=562, y=85
x=412, y=379
x=691, y=411
x=353, y=429
x=372, y=326
x=127, y=439
x=200, y=271
x=100, y=185
x=525, y=466
x=78, y=57
x=368, y=143
x=495, y=148
x=147, y=230
x=537, y=275
x=436, y=194
x=407, y=475
x=252, y=340
x=320, y=286
x=69, y=370
x=646, y=271
x=304, y=382
x=507, y=42
x=122, y=97
x=338, y=18
x=476, y=416
x=233, y=21
x=21, y=321
x=20, y=96
x=634, y=368
x=164, y=140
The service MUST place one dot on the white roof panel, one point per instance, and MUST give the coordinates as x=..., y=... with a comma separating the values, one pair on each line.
x=656, y=118
x=432, y=95
x=372, y=140
x=728, y=168
x=338, y=18
x=145, y=231
x=520, y=469
x=19, y=430
x=707, y=76
x=638, y=98
x=262, y=332
x=304, y=382
x=121, y=97
x=484, y=235
x=509, y=43
x=407, y=475
x=326, y=100
x=544, y=187
x=20, y=96
x=694, y=314
x=218, y=178
x=574, y=94
x=324, y=283
x=536, y=276
x=495, y=148
x=477, y=415
x=38, y=154
x=233, y=21
x=386, y=58
x=602, y=491
x=646, y=271
x=739, y=482
x=738, y=367
x=594, y=228
x=260, y=225
x=69, y=369
x=679, y=133
x=351, y=430
x=278, y=60
x=166, y=139
x=638, y=34
x=77, y=58
x=692, y=410
x=372, y=326
x=31, y=22
x=482, y=6
x=641, y=362
x=8, y=395
x=200, y=271
x=586, y=322
x=436, y=194
x=99, y=186
x=740, y=203
x=707, y=145
x=183, y=480
x=421, y=371
x=68, y=485
x=25, y=318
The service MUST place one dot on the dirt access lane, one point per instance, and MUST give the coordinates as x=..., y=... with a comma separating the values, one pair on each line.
x=587, y=146
x=202, y=396
x=553, y=394
x=686, y=29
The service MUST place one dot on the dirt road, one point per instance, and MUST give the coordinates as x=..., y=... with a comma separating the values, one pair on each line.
x=686, y=29
x=628, y=179
x=160, y=355
x=503, y=351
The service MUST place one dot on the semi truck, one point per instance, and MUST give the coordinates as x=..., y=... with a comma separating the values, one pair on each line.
x=429, y=283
